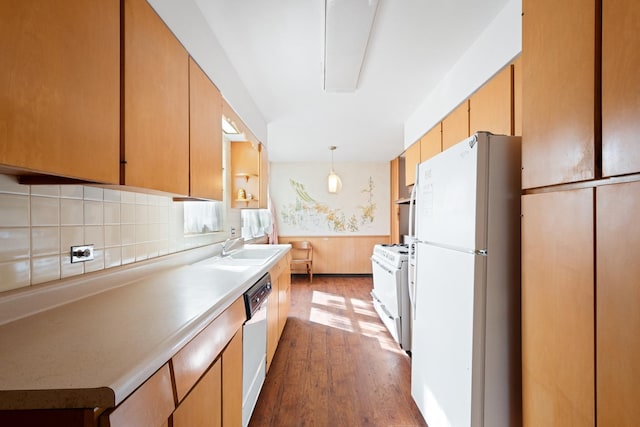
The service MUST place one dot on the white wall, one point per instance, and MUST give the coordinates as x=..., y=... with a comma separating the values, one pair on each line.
x=190, y=27
x=495, y=48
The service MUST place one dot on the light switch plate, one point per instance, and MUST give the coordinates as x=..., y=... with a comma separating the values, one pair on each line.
x=81, y=253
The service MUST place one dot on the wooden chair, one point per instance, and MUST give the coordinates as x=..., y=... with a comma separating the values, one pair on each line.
x=302, y=257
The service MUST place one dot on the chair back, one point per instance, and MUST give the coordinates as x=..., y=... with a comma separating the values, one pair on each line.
x=302, y=250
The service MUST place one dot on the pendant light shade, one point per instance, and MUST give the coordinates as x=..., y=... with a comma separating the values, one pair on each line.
x=334, y=183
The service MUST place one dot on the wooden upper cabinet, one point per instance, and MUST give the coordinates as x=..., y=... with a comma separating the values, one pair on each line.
x=205, y=136
x=60, y=88
x=455, y=127
x=620, y=87
x=491, y=107
x=411, y=159
x=264, y=177
x=431, y=143
x=156, y=103
x=245, y=158
x=558, y=345
x=558, y=66
x=245, y=171
x=617, y=314
x=517, y=96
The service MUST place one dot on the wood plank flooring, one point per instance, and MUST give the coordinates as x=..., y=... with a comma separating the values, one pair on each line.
x=336, y=364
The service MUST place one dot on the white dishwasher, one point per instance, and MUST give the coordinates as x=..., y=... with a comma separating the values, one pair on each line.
x=254, y=345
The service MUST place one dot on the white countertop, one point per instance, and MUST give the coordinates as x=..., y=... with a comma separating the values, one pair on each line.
x=93, y=352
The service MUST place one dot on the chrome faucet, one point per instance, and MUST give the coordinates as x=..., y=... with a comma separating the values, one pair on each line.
x=231, y=244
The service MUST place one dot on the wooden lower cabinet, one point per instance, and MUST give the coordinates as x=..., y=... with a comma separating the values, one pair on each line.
x=617, y=305
x=284, y=295
x=193, y=382
x=340, y=254
x=150, y=405
x=278, y=304
x=232, y=382
x=203, y=405
x=558, y=383
x=272, y=320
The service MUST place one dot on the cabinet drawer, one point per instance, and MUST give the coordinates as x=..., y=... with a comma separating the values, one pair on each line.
x=194, y=358
x=150, y=405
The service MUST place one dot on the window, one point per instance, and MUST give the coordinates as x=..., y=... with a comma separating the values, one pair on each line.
x=202, y=217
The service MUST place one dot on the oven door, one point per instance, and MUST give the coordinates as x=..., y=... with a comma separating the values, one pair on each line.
x=386, y=280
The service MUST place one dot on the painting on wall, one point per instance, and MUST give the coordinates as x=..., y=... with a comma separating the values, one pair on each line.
x=304, y=206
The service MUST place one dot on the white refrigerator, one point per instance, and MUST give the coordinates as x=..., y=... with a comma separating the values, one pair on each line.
x=466, y=296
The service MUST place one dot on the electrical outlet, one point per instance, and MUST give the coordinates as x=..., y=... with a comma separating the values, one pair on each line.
x=81, y=253
x=233, y=232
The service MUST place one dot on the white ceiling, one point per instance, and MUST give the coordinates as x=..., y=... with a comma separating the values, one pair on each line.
x=276, y=47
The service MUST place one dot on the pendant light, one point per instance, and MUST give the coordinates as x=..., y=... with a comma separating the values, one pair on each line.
x=334, y=183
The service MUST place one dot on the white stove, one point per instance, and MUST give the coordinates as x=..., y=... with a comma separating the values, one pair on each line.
x=395, y=254
x=390, y=290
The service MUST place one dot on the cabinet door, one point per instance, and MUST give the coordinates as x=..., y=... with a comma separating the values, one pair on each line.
x=517, y=96
x=232, y=382
x=558, y=309
x=60, y=87
x=284, y=294
x=205, y=135
x=431, y=143
x=150, y=405
x=620, y=87
x=203, y=405
x=455, y=127
x=490, y=108
x=618, y=304
x=558, y=41
x=264, y=177
x=394, y=208
x=272, y=318
x=411, y=160
x=156, y=103
x=245, y=170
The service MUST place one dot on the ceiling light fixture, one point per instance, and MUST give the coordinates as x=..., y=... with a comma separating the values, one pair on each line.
x=334, y=183
x=347, y=27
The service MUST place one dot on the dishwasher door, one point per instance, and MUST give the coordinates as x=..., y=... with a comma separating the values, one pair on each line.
x=254, y=360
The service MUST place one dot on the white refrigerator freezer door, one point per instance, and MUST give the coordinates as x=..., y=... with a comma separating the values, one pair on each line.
x=450, y=206
x=443, y=335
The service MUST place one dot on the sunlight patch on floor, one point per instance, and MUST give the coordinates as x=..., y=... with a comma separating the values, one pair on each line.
x=362, y=307
x=324, y=317
x=329, y=300
x=324, y=312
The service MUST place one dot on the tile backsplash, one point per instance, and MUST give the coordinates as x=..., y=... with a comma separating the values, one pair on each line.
x=39, y=224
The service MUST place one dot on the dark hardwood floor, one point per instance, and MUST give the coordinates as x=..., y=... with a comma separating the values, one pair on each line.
x=336, y=364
